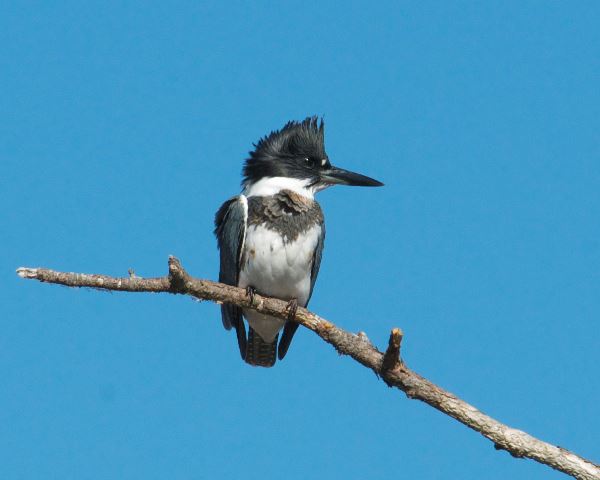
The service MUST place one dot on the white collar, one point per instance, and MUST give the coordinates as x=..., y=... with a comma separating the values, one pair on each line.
x=272, y=185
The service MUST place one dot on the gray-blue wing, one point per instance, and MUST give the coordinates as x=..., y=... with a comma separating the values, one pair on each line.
x=314, y=272
x=230, y=230
x=290, y=327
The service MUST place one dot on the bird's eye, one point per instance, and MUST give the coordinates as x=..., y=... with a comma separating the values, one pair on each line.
x=307, y=160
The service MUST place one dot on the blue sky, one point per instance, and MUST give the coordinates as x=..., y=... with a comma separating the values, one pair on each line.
x=124, y=126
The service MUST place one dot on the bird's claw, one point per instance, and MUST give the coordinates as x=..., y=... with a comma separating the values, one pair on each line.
x=250, y=292
x=291, y=309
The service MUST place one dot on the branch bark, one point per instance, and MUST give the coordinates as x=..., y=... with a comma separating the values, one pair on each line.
x=386, y=365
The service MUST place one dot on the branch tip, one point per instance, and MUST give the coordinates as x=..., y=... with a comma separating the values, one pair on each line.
x=174, y=263
x=391, y=357
x=177, y=275
x=396, y=336
x=25, y=272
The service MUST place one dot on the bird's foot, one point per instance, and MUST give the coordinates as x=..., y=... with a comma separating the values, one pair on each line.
x=291, y=309
x=250, y=292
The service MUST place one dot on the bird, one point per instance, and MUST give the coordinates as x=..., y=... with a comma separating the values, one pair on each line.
x=271, y=236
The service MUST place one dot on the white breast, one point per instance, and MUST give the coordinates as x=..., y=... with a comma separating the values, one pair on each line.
x=276, y=268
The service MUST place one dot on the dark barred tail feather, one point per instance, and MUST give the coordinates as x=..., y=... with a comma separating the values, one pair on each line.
x=258, y=352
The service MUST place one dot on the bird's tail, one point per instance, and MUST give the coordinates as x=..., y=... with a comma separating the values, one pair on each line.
x=258, y=352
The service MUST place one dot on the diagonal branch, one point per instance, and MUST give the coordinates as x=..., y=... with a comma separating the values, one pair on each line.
x=387, y=365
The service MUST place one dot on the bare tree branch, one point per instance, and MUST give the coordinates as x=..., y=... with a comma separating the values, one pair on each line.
x=386, y=365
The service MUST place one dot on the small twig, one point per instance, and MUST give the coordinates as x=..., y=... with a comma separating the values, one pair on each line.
x=391, y=357
x=178, y=277
x=393, y=370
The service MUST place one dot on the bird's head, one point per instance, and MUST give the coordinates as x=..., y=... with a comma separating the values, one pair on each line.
x=295, y=158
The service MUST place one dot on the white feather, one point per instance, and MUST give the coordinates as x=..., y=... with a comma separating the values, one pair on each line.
x=276, y=268
x=273, y=185
x=244, y=202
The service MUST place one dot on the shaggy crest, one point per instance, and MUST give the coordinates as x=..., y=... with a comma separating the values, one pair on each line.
x=296, y=140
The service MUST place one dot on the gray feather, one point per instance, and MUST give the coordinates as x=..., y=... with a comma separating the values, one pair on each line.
x=230, y=230
x=314, y=272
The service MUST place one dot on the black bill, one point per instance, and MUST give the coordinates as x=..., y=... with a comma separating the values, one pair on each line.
x=339, y=176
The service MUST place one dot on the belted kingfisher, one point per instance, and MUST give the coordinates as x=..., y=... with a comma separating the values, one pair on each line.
x=271, y=236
